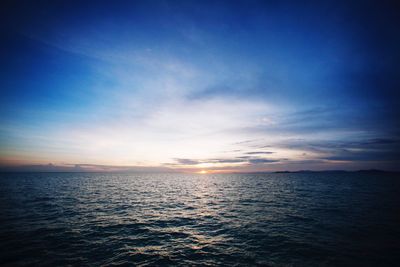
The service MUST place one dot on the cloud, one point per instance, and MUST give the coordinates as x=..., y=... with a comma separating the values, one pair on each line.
x=187, y=161
x=149, y=91
x=179, y=162
x=365, y=156
x=370, y=149
x=261, y=160
x=50, y=167
x=236, y=160
x=259, y=152
x=222, y=161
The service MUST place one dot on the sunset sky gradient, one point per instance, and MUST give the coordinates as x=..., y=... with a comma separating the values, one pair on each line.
x=199, y=85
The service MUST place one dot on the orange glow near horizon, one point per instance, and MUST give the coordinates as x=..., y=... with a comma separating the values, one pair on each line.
x=215, y=171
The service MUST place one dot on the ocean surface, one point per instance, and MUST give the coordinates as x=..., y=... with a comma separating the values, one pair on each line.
x=280, y=219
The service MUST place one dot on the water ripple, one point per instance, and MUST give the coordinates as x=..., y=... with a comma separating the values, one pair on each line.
x=82, y=219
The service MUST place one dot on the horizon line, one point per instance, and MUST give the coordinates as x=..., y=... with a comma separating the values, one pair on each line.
x=207, y=171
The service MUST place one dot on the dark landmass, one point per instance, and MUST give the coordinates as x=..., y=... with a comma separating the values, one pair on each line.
x=371, y=171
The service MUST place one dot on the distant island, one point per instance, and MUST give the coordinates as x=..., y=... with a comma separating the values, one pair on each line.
x=338, y=171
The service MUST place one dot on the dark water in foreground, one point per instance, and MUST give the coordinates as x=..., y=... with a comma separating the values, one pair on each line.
x=316, y=219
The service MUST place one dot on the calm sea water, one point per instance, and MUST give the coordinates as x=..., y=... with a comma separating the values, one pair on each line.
x=305, y=219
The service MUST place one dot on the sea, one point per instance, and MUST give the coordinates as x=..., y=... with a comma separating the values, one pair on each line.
x=168, y=219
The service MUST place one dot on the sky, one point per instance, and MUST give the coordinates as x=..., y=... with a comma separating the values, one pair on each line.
x=216, y=86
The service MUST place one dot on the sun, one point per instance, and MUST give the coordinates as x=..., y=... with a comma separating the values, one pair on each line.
x=203, y=172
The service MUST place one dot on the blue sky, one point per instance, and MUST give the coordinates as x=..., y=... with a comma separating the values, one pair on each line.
x=199, y=85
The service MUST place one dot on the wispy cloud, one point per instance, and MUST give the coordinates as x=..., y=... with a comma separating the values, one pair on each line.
x=187, y=161
x=259, y=152
x=261, y=160
x=215, y=162
x=50, y=167
x=150, y=83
